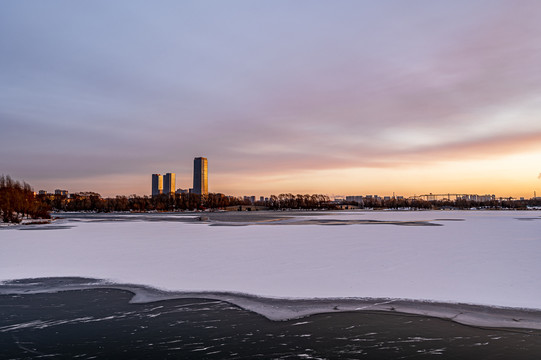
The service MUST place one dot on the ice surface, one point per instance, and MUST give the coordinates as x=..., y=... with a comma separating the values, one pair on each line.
x=489, y=258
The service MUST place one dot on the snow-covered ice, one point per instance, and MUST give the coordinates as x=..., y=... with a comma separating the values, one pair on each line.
x=489, y=258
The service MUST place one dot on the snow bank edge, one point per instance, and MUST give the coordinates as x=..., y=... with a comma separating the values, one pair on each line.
x=283, y=309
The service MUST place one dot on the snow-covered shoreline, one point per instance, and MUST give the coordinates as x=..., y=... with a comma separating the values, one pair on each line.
x=280, y=309
x=488, y=258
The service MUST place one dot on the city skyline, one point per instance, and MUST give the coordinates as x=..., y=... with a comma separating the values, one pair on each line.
x=166, y=184
x=339, y=98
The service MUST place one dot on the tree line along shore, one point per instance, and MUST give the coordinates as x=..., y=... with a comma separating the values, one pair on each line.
x=18, y=202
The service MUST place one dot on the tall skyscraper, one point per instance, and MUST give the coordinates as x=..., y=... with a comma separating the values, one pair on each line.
x=157, y=184
x=200, y=176
x=169, y=183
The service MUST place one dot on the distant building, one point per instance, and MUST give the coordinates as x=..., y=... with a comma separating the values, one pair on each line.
x=157, y=184
x=479, y=198
x=262, y=198
x=85, y=195
x=61, y=192
x=182, y=191
x=355, y=198
x=200, y=176
x=169, y=183
x=488, y=197
x=42, y=192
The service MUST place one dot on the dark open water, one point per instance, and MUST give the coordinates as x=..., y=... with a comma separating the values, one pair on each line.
x=100, y=323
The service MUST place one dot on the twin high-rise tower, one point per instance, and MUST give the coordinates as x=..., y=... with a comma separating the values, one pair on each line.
x=200, y=176
x=165, y=184
x=169, y=183
x=157, y=184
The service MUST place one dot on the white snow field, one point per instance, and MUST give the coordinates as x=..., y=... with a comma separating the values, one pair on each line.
x=490, y=258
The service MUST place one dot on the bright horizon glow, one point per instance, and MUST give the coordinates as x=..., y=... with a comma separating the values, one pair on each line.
x=510, y=179
x=348, y=98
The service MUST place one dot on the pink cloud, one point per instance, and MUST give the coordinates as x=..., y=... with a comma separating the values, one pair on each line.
x=491, y=66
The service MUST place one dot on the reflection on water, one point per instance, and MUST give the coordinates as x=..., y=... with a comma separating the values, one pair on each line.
x=101, y=323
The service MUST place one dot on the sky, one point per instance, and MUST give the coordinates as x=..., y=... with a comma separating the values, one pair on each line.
x=344, y=97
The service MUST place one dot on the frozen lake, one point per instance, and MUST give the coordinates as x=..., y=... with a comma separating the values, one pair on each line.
x=488, y=258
